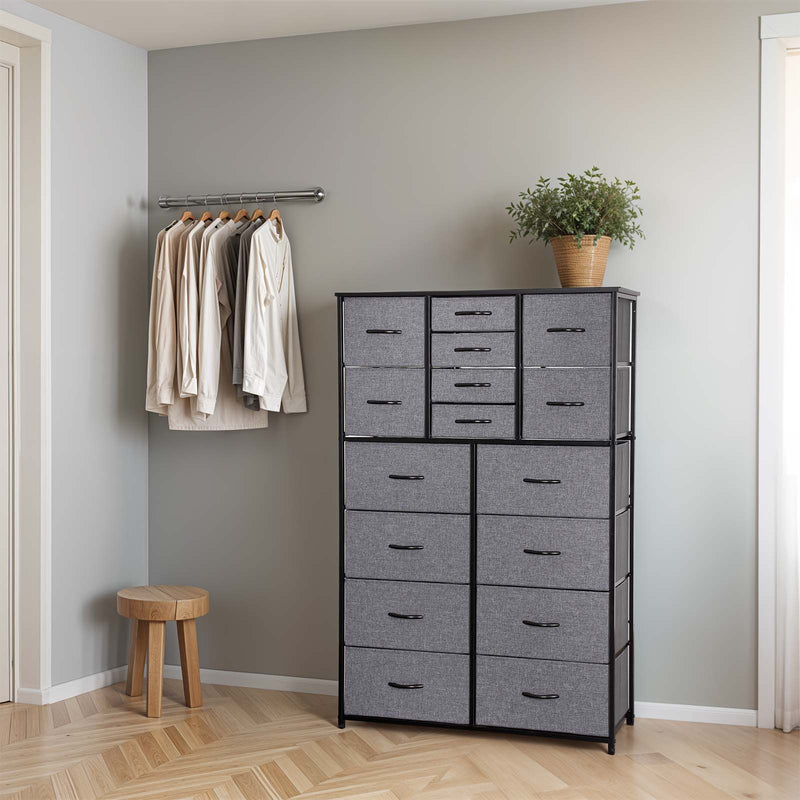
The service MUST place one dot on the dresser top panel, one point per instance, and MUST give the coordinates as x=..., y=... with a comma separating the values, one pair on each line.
x=495, y=292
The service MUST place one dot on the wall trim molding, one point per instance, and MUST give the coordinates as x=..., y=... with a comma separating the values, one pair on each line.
x=63, y=691
x=255, y=680
x=683, y=713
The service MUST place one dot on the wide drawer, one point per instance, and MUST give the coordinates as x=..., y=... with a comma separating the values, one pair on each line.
x=384, y=402
x=549, y=552
x=407, y=477
x=384, y=331
x=473, y=385
x=549, y=695
x=473, y=421
x=545, y=481
x=473, y=313
x=407, y=616
x=566, y=330
x=429, y=687
x=408, y=547
x=473, y=349
x=546, y=623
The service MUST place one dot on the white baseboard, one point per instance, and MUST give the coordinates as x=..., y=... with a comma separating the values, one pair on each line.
x=680, y=713
x=62, y=691
x=255, y=680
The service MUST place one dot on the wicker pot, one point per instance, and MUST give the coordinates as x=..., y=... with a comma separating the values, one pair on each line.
x=584, y=266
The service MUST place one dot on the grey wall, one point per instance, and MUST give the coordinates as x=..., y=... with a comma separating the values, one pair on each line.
x=99, y=301
x=421, y=135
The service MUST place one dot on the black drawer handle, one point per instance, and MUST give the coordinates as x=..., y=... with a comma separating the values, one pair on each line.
x=533, y=624
x=395, y=685
x=546, y=481
x=473, y=313
x=406, y=547
x=473, y=421
x=541, y=552
x=472, y=349
x=472, y=385
x=539, y=696
x=395, y=615
x=407, y=477
x=566, y=330
x=388, y=402
x=382, y=330
x=564, y=403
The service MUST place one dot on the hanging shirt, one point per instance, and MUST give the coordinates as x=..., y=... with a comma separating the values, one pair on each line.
x=151, y=399
x=273, y=364
x=180, y=345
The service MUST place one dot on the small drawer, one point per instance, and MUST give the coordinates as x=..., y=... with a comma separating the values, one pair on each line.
x=566, y=403
x=407, y=477
x=407, y=616
x=384, y=402
x=547, y=552
x=624, y=331
x=472, y=421
x=473, y=350
x=384, y=331
x=549, y=695
x=429, y=687
x=622, y=546
x=473, y=385
x=544, y=481
x=473, y=313
x=566, y=330
x=407, y=547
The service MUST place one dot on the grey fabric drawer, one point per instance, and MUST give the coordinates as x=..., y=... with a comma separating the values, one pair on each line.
x=377, y=476
x=442, y=610
x=489, y=422
x=442, y=697
x=505, y=472
x=409, y=547
x=622, y=548
x=473, y=313
x=473, y=385
x=566, y=330
x=473, y=349
x=384, y=402
x=623, y=411
x=580, y=707
x=623, y=469
x=624, y=331
x=566, y=553
x=571, y=626
x=566, y=403
x=622, y=632
x=384, y=331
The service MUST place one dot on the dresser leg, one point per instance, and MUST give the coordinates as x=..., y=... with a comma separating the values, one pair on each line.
x=612, y=747
x=629, y=718
x=341, y=722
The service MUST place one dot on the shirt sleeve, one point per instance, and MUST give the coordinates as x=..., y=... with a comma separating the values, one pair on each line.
x=209, y=335
x=165, y=322
x=187, y=320
x=294, y=395
x=151, y=398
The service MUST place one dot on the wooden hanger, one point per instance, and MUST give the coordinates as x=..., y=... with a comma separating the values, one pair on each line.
x=224, y=215
x=258, y=214
x=207, y=215
x=241, y=213
x=187, y=215
x=275, y=214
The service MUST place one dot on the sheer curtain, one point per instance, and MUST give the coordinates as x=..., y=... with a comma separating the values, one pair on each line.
x=787, y=599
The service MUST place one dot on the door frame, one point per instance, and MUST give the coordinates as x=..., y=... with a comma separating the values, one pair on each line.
x=31, y=374
x=779, y=32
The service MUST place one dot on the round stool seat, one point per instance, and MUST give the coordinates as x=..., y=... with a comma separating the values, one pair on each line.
x=162, y=602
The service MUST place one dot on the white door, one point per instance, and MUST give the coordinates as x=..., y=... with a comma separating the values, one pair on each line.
x=9, y=67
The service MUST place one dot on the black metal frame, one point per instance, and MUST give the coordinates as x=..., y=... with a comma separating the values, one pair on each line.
x=617, y=294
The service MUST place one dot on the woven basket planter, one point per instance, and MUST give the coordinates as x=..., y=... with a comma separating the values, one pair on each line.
x=584, y=266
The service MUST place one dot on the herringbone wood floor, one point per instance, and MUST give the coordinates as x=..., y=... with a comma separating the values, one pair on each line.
x=248, y=744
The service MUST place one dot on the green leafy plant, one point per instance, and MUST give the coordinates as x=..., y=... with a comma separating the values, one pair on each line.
x=581, y=205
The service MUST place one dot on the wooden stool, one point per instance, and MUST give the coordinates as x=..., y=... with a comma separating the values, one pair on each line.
x=149, y=608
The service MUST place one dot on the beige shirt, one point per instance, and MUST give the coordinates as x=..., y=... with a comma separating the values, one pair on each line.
x=273, y=363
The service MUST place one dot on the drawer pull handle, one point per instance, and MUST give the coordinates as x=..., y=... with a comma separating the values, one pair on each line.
x=541, y=552
x=406, y=547
x=388, y=402
x=539, y=696
x=564, y=403
x=546, y=481
x=472, y=385
x=472, y=349
x=473, y=421
x=533, y=624
x=407, y=477
x=395, y=685
x=396, y=615
x=382, y=330
x=473, y=313
x=566, y=330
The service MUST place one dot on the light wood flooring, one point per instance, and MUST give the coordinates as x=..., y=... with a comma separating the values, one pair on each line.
x=248, y=744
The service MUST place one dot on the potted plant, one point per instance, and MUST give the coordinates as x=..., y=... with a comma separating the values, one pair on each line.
x=579, y=218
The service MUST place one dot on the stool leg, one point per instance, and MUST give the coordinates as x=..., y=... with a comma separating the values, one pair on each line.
x=155, y=666
x=190, y=663
x=138, y=651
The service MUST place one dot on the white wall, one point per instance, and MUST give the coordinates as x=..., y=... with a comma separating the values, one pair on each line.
x=99, y=301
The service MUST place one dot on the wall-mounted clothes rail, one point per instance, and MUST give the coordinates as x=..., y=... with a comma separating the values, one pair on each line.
x=317, y=194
